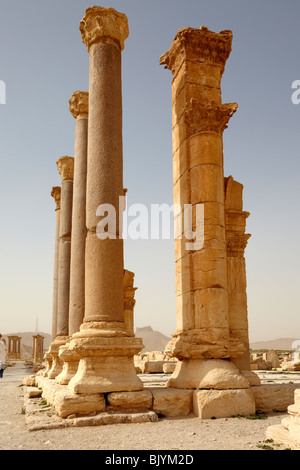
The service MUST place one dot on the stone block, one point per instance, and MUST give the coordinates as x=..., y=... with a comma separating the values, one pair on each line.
x=274, y=397
x=130, y=400
x=172, y=401
x=169, y=367
x=223, y=403
x=154, y=367
x=67, y=403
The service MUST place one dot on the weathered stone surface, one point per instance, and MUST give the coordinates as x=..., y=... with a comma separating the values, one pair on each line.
x=273, y=397
x=223, y=403
x=34, y=392
x=212, y=373
x=169, y=367
x=172, y=401
x=154, y=367
x=129, y=400
x=118, y=418
x=29, y=381
x=67, y=403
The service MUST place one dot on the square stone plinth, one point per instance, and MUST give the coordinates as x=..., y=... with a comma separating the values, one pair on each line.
x=172, y=401
x=209, y=404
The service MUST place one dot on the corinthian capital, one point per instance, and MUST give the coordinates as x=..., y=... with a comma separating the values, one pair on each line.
x=79, y=103
x=211, y=117
x=56, y=193
x=201, y=45
x=65, y=166
x=104, y=25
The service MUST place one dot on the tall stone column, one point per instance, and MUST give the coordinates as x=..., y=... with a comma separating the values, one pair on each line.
x=237, y=239
x=65, y=167
x=105, y=346
x=202, y=343
x=79, y=109
x=56, y=194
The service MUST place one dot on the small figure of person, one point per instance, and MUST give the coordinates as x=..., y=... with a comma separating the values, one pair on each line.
x=2, y=356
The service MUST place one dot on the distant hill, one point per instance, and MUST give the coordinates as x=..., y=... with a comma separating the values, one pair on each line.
x=280, y=343
x=152, y=340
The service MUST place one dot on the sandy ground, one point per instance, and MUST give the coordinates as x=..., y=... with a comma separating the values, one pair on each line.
x=167, y=434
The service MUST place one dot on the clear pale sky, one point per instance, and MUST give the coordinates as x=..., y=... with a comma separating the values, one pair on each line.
x=43, y=61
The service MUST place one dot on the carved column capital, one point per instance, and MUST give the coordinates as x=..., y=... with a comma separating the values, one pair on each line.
x=200, y=45
x=236, y=244
x=210, y=117
x=79, y=104
x=65, y=166
x=56, y=194
x=104, y=25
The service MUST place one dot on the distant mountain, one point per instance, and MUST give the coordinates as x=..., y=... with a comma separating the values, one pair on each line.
x=280, y=343
x=152, y=340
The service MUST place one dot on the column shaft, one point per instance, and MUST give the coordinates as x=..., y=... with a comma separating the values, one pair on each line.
x=77, y=274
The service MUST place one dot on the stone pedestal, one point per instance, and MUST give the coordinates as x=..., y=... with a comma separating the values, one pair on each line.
x=65, y=167
x=197, y=60
x=105, y=346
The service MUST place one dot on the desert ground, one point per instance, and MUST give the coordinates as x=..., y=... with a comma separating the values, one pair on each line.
x=168, y=434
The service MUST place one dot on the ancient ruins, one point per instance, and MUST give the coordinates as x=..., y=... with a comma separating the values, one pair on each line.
x=92, y=363
x=14, y=348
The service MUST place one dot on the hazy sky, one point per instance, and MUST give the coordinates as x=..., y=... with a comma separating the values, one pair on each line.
x=43, y=61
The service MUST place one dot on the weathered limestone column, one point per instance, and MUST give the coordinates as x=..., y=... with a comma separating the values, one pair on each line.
x=56, y=194
x=235, y=222
x=237, y=239
x=202, y=342
x=79, y=103
x=65, y=167
x=129, y=300
x=38, y=348
x=79, y=109
x=105, y=346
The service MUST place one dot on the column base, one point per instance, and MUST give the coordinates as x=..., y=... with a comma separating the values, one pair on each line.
x=70, y=362
x=106, y=360
x=207, y=374
x=48, y=360
x=57, y=364
x=209, y=404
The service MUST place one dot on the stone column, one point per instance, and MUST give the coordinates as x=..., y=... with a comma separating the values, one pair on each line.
x=38, y=348
x=105, y=346
x=65, y=167
x=78, y=105
x=79, y=109
x=237, y=239
x=56, y=194
x=202, y=342
x=129, y=300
